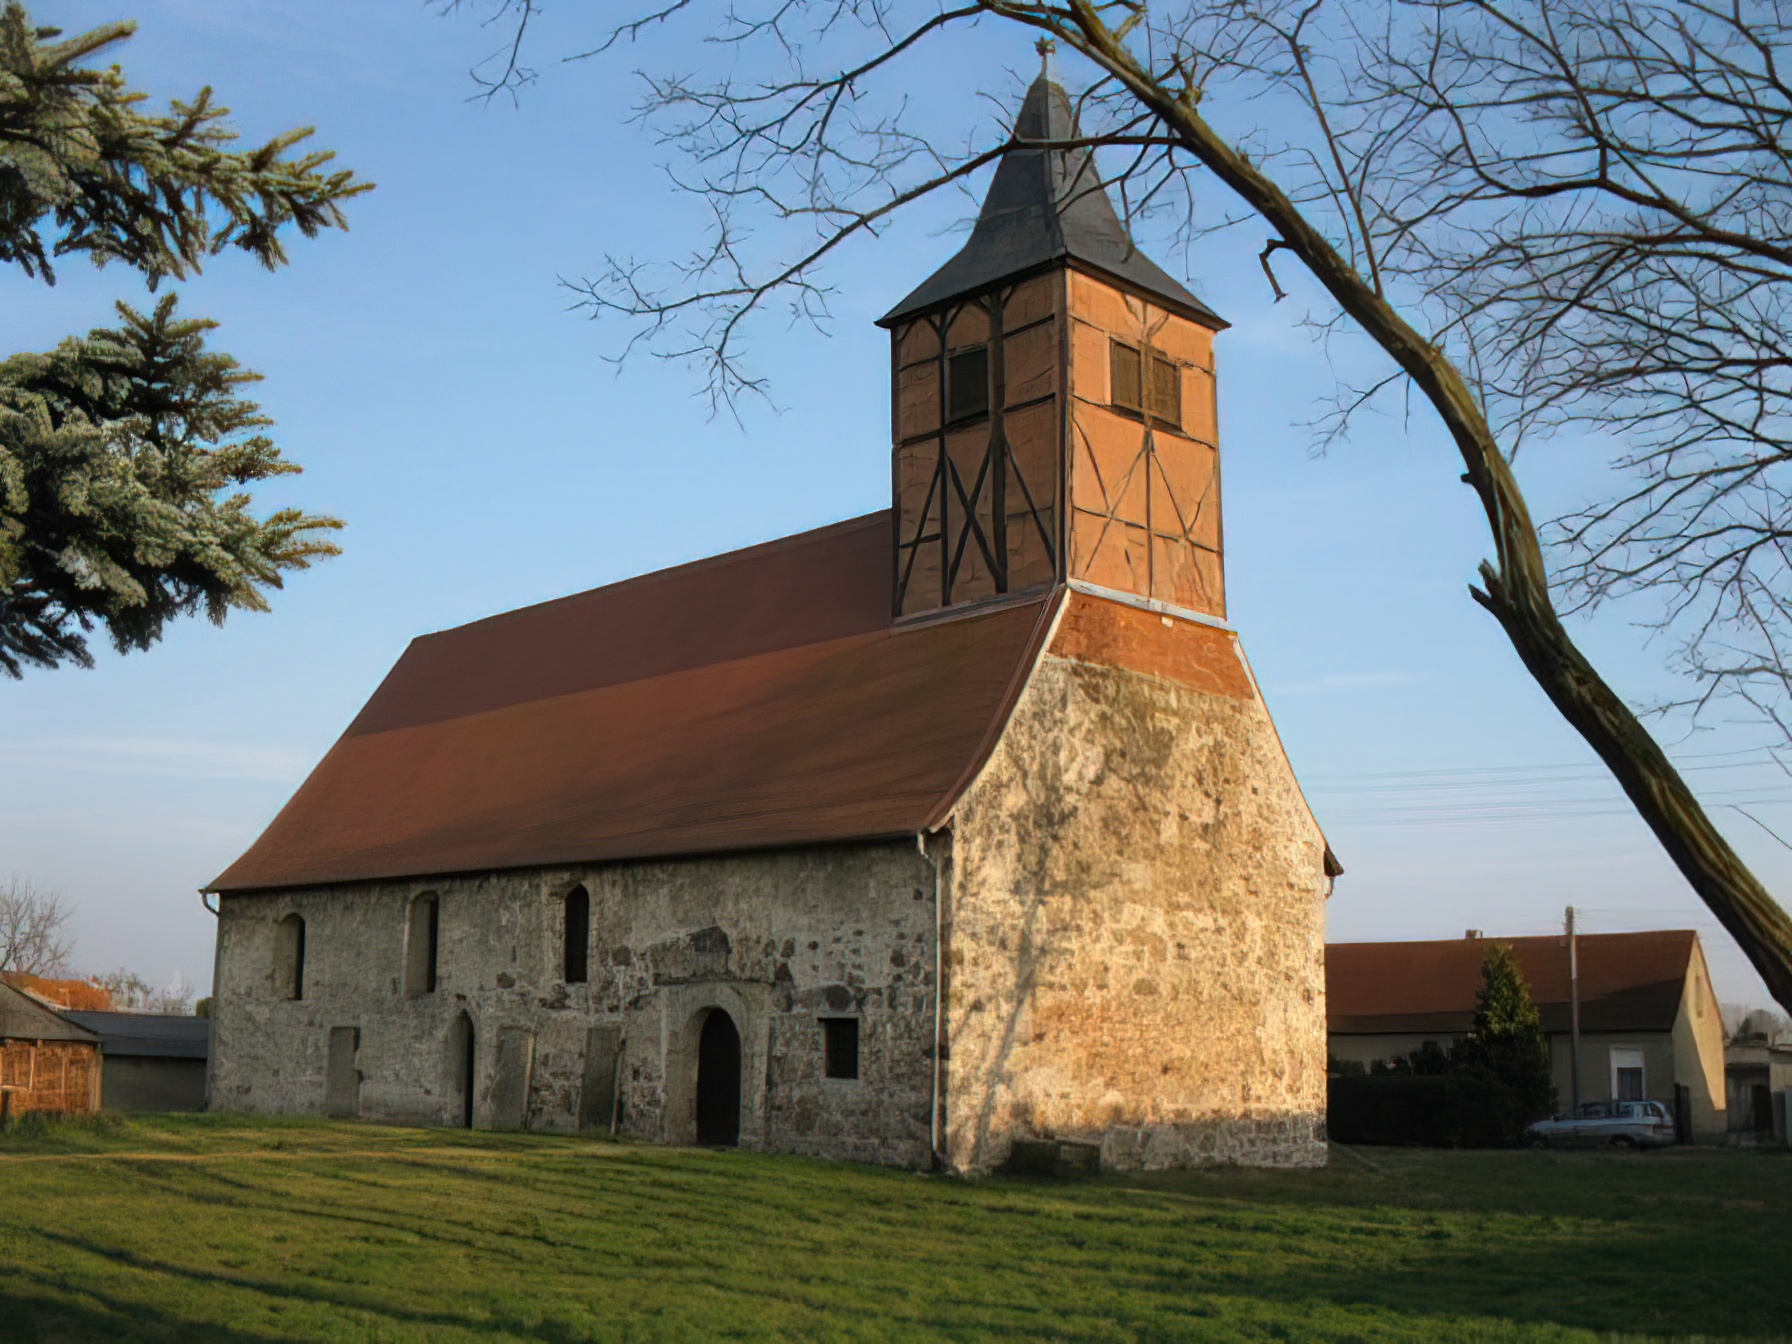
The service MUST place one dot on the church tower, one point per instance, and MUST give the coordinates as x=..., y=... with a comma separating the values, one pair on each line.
x=1053, y=403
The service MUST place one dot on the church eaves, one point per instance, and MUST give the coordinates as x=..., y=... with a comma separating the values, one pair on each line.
x=1047, y=205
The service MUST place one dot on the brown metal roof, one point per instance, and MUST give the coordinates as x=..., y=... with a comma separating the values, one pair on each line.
x=1628, y=981
x=755, y=699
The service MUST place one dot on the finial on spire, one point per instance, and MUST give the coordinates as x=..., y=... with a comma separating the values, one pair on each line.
x=1045, y=47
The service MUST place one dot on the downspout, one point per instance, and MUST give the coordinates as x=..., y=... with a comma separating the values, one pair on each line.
x=211, y=1019
x=939, y=995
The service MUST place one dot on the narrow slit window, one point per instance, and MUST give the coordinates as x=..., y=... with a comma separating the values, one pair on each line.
x=840, y=1046
x=1125, y=377
x=421, y=943
x=289, y=957
x=967, y=384
x=1166, y=392
x=578, y=936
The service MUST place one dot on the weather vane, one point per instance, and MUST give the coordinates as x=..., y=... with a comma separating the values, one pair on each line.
x=1045, y=47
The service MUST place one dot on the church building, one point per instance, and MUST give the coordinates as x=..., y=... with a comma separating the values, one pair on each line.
x=904, y=840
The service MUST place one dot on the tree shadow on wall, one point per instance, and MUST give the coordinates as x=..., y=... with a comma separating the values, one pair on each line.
x=1030, y=948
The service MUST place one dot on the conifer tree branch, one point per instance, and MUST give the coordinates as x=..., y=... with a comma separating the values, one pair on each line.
x=85, y=170
x=122, y=454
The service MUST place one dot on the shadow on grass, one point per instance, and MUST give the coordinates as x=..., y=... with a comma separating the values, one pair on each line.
x=290, y=1293
x=553, y=1242
x=77, y=1313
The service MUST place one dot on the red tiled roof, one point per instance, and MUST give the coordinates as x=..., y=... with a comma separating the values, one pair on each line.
x=755, y=699
x=1628, y=981
x=82, y=994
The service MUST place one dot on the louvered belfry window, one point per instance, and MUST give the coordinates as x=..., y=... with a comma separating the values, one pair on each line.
x=1129, y=390
x=967, y=384
x=1166, y=392
x=1125, y=383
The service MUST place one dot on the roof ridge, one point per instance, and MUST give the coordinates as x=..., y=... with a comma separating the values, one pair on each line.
x=669, y=572
x=1514, y=938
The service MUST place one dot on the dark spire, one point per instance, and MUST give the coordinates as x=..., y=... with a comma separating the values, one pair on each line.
x=1043, y=206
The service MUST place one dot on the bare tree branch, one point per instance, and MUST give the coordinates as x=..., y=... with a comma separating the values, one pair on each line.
x=1544, y=212
x=32, y=924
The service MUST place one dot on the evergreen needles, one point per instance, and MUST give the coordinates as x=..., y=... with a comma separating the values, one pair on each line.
x=1507, y=1037
x=122, y=453
x=116, y=449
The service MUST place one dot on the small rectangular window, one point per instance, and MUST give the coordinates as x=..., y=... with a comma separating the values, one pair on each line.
x=578, y=936
x=421, y=939
x=1125, y=385
x=289, y=957
x=967, y=384
x=435, y=929
x=840, y=1046
x=1166, y=392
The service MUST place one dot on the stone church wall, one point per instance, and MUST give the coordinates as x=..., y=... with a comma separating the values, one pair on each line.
x=779, y=940
x=1135, y=918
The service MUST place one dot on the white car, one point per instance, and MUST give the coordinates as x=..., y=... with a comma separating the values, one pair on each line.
x=1619, y=1124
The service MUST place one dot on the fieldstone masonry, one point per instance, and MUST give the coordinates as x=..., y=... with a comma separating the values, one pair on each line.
x=1135, y=930
x=776, y=940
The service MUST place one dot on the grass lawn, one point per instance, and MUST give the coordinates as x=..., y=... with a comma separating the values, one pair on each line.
x=216, y=1228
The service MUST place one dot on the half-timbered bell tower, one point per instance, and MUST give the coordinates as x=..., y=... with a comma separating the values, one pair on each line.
x=1053, y=404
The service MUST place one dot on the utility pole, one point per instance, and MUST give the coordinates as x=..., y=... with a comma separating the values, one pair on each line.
x=1573, y=1009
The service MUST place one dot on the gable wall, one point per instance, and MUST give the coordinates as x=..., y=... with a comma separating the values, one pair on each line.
x=1699, y=1048
x=1135, y=924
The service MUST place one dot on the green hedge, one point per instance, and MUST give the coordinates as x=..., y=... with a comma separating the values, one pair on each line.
x=1456, y=1110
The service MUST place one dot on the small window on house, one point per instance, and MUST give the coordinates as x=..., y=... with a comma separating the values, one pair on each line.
x=289, y=957
x=578, y=936
x=420, y=945
x=840, y=1046
x=1627, y=1075
x=967, y=384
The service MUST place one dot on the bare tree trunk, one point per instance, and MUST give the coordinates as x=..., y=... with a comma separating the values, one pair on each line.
x=1516, y=589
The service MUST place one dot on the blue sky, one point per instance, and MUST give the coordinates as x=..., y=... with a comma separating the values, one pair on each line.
x=426, y=372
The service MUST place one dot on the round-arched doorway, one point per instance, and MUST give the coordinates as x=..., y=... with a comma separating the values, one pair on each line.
x=718, y=1081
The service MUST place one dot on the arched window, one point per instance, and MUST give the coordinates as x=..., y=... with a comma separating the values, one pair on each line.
x=289, y=957
x=577, y=936
x=420, y=945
